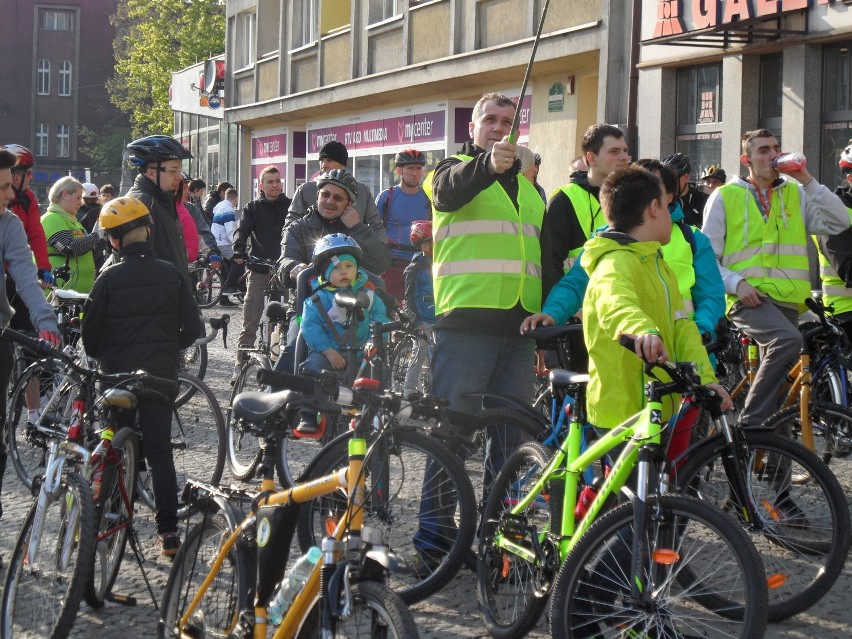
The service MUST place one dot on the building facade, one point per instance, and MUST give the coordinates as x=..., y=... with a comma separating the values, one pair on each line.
x=57, y=57
x=712, y=69
x=384, y=75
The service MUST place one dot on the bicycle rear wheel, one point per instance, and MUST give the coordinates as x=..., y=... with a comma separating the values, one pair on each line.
x=41, y=598
x=230, y=592
x=377, y=612
x=113, y=516
x=692, y=553
x=831, y=424
x=802, y=532
x=198, y=441
x=296, y=453
x=243, y=447
x=511, y=591
x=431, y=528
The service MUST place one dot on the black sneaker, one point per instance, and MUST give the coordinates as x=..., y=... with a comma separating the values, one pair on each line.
x=226, y=301
x=170, y=544
x=787, y=512
x=425, y=563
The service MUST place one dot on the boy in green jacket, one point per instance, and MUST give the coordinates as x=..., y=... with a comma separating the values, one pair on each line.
x=633, y=292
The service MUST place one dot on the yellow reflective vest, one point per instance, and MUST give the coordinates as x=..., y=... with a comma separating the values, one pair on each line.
x=834, y=291
x=770, y=254
x=487, y=254
x=588, y=212
x=679, y=255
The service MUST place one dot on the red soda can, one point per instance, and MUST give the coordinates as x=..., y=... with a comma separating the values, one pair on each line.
x=789, y=162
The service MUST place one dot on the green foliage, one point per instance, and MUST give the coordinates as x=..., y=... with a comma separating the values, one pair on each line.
x=105, y=150
x=153, y=39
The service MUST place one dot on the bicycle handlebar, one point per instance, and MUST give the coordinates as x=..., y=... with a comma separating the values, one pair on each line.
x=217, y=324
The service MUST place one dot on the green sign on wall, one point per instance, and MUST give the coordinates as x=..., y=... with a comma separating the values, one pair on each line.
x=556, y=97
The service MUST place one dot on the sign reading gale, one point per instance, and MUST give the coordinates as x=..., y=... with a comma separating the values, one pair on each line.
x=682, y=16
x=406, y=129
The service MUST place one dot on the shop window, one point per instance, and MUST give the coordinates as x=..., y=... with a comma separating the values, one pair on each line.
x=368, y=170
x=837, y=110
x=65, y=78
x=699, y=116
x=43, y=77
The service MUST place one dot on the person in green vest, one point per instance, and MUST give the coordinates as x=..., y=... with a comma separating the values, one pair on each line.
x=486, y=270
x=573, y=211
x=835, y=253
x=67, y=238
x=759, y=230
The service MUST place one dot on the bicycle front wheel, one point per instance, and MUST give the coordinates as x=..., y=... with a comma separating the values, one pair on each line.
x=511, y=591
x=243, y=447
x=418, y=494
x=405, y=354
x=691, y=553
x=113, y=516
x=198, y=440
x=377, y=611
x=41, y=594
x=229, y=593
x=193, y=360
x=208, y=286
x=802, y=532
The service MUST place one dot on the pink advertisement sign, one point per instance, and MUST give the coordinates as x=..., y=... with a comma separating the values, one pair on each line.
x=407, y=129
x=269, y=146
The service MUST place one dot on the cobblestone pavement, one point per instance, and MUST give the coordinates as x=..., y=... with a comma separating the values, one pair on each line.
x=451, y=613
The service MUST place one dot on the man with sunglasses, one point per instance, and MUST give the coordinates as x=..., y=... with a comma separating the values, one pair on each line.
x=159, y=159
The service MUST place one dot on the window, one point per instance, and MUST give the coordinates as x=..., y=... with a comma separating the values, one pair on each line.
x=42, y=147
x=699, y=116
x=384, y=9
x=55, y=20
x=837, y=110
x=43, y=77
x=304, y=22
x=63, y=141
x=65, y=78
x=244, y=55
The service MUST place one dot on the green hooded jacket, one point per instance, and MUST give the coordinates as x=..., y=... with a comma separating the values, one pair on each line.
x=631, y=290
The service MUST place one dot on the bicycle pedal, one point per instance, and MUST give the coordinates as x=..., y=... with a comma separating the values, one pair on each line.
x=124, y=600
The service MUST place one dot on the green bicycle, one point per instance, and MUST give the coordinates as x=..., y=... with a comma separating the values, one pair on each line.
x=691, y=568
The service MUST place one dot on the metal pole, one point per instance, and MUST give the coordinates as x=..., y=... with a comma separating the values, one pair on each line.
x=516, y=123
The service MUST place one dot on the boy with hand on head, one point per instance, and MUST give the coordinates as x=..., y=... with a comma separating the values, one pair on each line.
x=324, y=323
x=633, y=292
x=140, y=314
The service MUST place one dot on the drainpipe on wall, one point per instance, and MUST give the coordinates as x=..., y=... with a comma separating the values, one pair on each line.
x=632, y=132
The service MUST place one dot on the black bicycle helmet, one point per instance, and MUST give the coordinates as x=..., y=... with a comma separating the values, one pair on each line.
x=331, y=246
x=409, y=156
x=339, y=177
x=156, y=148
x=679, y=163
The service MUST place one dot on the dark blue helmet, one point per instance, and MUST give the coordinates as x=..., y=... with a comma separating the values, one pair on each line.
x=156, y=148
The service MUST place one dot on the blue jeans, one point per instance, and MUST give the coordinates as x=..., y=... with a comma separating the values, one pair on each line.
x=465, y=363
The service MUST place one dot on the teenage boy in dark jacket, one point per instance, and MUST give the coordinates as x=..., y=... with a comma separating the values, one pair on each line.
x=140, y=314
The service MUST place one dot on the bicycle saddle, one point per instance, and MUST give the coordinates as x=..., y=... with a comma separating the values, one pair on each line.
x=560, y=377
x=255, y=406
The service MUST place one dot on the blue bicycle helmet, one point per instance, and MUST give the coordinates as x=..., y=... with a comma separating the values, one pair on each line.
x=330, y=248
x=156, y=148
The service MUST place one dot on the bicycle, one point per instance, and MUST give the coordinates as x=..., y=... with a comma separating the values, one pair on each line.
x=346, y=593
x=533, y=541
x=206, y=281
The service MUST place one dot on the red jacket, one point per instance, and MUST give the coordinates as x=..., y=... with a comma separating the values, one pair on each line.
x=25, y=207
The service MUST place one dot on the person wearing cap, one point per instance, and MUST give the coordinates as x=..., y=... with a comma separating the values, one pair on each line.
x=399, y=206
x=333, y=155
x=692, y=200
x=714, y=177
x=87, y=215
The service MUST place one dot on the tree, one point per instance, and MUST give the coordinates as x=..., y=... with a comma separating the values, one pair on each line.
x=153, y=39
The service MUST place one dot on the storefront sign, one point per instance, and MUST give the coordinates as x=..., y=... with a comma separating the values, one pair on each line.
x=402, y=130
x=681, y=16
x=270, y=146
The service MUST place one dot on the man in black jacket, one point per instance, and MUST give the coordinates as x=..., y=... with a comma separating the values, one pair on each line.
x=213, y=199
x=158, y=158
x=261, y=223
